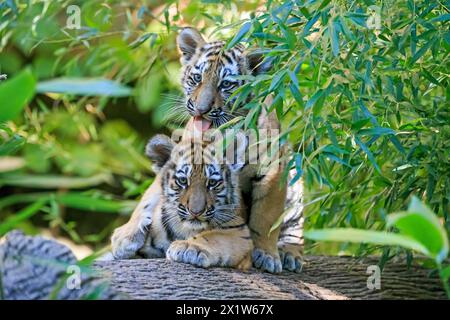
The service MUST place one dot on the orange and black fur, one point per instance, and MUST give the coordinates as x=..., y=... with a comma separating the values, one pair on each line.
x=209, y=77
x=200, y=218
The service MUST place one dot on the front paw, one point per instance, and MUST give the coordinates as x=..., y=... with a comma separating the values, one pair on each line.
x=127, y=240
x=265, y=261
x=291, y=257
x=186, y=252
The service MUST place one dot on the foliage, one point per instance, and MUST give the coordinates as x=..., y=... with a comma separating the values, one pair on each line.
x=366, y=109
x=419, y=229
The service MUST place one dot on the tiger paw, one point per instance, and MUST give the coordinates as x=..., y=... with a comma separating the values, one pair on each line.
x=128, y=239
x=186, y=252
x=291, y=257
x=266, y=261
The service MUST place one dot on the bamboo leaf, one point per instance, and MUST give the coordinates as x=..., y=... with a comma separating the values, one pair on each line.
x=368, y=153
x=15, y=94
x=52, y=181
x=420, y=223
x=245, y=28
x=421, y=51
x=334, y=37
x=84, y=87
x=366, y=236
x=20, y=216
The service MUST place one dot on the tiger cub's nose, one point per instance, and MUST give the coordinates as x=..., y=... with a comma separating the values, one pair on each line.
x=197, y=210
x=197, y=206
x=203, y=109
x=196, y=214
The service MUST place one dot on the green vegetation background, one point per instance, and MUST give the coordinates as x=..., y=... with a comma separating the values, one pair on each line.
x=365, y=108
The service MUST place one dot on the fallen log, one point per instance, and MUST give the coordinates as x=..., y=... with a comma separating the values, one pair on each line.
x=32, y=267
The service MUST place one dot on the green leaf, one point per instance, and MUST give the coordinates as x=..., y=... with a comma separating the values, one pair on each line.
x=245, y=28
x=277, y=79
x=289, y=37
x=312, y=101
x=445, y=273
x=252, y=115
x=75, y=200
x=422, y=51
x=231, y=123
x=421, y=224
x=334, y=37
x=376, y=131
x=294, y=79
x=366, y=236
x=296, y=94
x=90, y=203
x=310, y=23
x=15, y=94
x=345, y=29
x=442, y=18
x=337, y=159
x=84, y=87
x=139, y=41
x=14, y=144
x=20, y=216
x=323, y=4
x=52, y=181
x=357, y=125
x=430, y=77
x=368, y=153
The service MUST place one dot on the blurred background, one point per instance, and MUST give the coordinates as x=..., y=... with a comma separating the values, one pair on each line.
x=73, y=163
x=361, y=88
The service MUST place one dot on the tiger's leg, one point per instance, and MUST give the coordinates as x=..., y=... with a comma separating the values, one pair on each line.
x=268, y=195
x=129, y=238
x=290, y=246
x=268, y=198
x=156, y=242
x=215, y=248
x=290, y=243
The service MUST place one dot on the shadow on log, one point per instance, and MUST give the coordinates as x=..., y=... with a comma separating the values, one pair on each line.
x=36, y=268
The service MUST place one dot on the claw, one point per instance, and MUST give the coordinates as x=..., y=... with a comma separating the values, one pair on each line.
x=182, y=252
x=266, y=261
x=291, y=258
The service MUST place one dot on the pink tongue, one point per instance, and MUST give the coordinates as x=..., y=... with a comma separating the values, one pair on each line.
x=201, y=124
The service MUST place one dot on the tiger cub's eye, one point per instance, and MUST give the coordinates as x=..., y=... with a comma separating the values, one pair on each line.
x=212, y=183
x=181, y=181
x=226, y=84
x=197, y=77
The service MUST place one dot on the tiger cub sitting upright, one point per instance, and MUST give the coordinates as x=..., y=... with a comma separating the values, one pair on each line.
x=200, y=217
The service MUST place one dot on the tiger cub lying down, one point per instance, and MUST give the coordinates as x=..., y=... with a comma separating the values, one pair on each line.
x=200, y=217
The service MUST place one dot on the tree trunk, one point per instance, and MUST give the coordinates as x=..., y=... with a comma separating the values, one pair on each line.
x=31, y=267
x=323, y=277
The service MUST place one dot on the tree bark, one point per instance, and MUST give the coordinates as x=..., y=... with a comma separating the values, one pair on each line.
x=31, y=268
x=323, y=277
x=35, y=268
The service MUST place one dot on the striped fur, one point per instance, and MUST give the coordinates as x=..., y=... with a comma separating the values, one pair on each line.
x=205, y=67
x=208, y=80
x=200, y=205
x=209, y=76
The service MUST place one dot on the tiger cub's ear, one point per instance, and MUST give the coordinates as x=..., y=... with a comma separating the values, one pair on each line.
x=158, y=150
x=188, y=40
x=257, y=64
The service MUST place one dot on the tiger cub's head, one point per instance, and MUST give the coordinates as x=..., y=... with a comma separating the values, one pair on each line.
x=209, y=76
x=199, y=191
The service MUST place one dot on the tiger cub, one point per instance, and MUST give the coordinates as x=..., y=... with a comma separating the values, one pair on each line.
x=200, y=217
x=211, y=74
